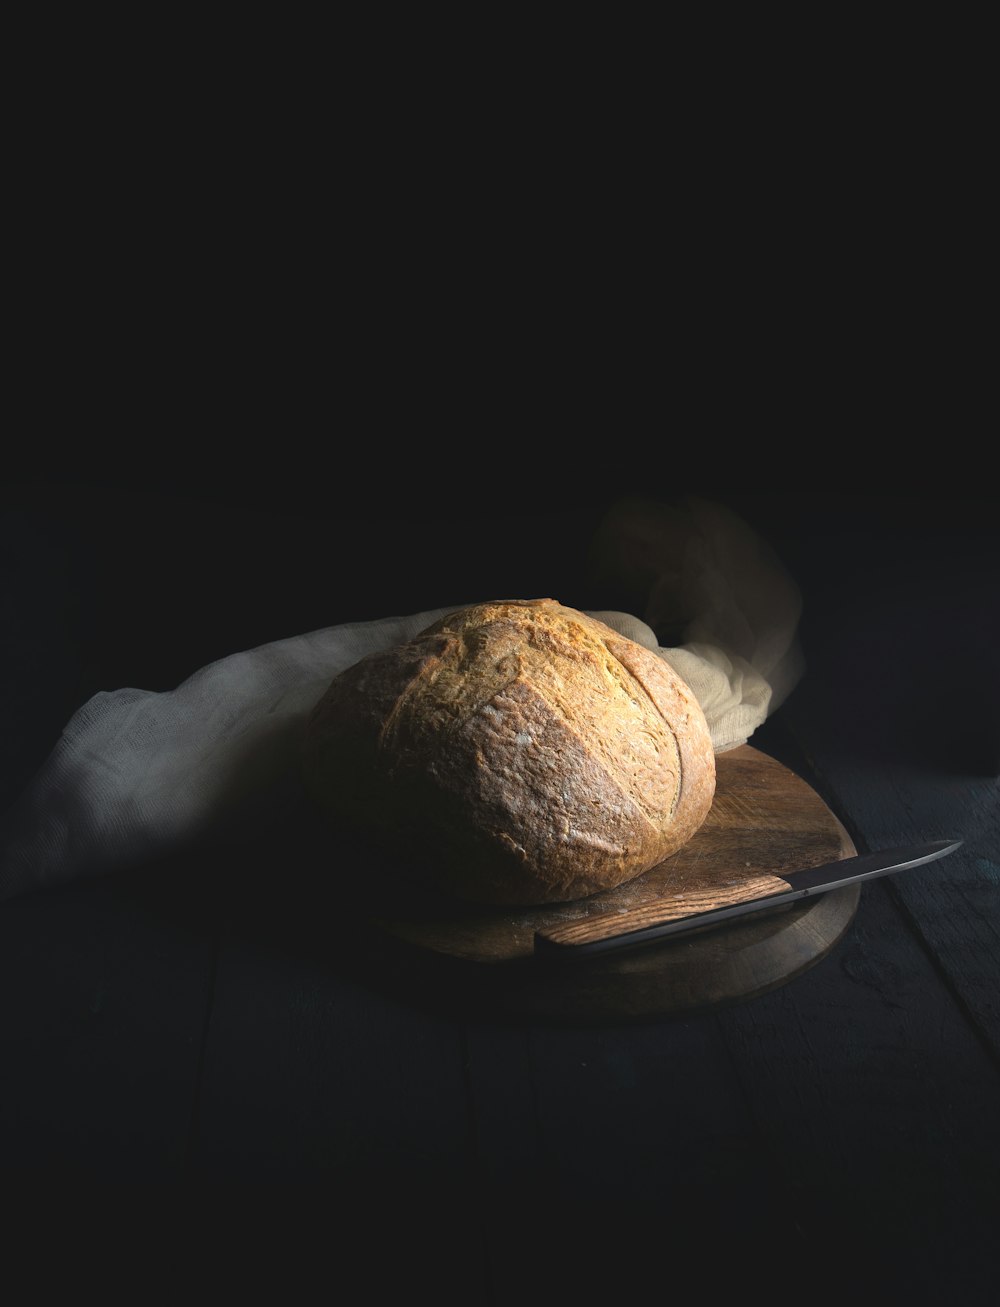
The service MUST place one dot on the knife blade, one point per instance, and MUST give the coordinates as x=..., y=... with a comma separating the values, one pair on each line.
x=655, y=921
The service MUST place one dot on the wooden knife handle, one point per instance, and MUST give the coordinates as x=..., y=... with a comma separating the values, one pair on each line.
x=609, y=925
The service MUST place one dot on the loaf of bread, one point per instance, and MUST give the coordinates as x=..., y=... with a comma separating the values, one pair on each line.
x=516, y=753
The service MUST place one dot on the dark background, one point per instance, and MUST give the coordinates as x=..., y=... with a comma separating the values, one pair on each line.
x=238, y=409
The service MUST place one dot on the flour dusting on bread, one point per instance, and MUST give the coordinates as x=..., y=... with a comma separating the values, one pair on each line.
x=517, y=752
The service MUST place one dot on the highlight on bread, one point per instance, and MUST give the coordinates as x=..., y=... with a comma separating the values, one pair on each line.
x=516, y=752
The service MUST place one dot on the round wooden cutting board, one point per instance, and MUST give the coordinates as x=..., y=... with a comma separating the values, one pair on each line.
x=764, y=820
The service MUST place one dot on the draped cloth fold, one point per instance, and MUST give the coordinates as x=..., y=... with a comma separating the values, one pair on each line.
x=138, y=774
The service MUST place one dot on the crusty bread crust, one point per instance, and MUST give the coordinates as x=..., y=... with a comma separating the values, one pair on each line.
x=519, y=752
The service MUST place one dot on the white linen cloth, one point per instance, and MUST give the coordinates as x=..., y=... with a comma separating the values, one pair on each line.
x=138, y=775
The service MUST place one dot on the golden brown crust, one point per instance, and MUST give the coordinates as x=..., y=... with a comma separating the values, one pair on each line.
x=524, y=752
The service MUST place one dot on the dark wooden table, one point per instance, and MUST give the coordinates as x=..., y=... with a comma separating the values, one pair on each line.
x=190, y=1027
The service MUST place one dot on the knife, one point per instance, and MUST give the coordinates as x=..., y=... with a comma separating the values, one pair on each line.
x=654, y=921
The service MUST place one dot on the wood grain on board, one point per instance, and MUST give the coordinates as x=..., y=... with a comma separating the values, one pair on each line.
x=765, y=821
